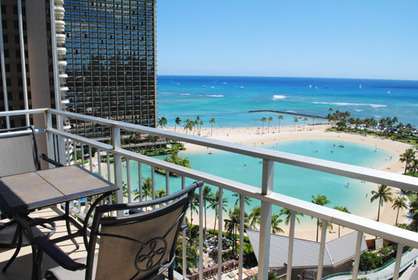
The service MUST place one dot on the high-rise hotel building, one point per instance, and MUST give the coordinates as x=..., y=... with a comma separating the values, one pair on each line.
x=25, y=57
x=103, y=52
x=111, y=60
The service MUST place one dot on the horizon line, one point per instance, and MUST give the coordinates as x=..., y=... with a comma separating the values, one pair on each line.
x=287, y=77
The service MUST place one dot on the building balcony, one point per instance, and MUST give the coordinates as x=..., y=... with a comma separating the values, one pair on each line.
x=214, y=256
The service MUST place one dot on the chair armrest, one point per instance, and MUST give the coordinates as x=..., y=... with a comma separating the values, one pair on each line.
x=55, y=253
x=51, y=161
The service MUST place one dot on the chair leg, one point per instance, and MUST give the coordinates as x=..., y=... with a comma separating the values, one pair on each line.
x=68, y=226
x=170, y=273
x=17, y=250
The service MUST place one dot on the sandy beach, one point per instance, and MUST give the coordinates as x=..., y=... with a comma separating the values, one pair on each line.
x=255, y=136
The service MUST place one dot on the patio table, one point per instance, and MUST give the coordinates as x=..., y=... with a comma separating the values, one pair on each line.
x=21, y=194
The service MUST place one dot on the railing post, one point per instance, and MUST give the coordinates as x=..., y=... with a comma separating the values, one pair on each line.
x=398, y=260
x=322, y=250
x=3, y=72
x=357, y=255
x=117, y=164
x=265, y=225
x=49, y=136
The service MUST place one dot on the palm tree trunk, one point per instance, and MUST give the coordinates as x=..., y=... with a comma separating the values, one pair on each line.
x=204, y=205
x=378, y=209
x=397, y=216
x=214, y=224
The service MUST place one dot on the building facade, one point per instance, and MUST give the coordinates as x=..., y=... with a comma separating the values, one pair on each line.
x=111, y=61
x=25, y=57
x=105, y=59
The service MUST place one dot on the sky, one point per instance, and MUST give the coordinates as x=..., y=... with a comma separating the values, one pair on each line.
x=288, y=38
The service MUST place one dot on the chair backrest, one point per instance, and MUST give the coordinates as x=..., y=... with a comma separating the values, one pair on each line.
x=139, y=245
x=18, y=151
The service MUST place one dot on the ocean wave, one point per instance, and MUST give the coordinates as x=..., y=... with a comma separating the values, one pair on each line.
x=185, y=94
x=350, y=104
x=215, y=95
x=279, y=97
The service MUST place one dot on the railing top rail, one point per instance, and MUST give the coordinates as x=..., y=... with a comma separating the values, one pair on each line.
x=342, y=169
x=23, y=112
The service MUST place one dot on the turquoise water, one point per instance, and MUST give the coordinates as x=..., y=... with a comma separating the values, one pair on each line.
x=228, y=99
x=293, y=181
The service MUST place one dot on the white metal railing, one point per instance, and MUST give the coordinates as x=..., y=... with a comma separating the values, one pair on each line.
x=262, y=193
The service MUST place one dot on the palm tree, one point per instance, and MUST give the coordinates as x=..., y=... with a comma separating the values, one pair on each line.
x=288, y=214
x=408, y=157
x=247, y=200
x=214, y=204
x=255, y=217
x=146, y=189
x=189, y=125
x=212, y=124
x=279, y=118
x=275, y=224
x=322, y=200
x=207, y=197
x=413, y=213
x=342, y=209
x=399, y=203
x=263, y=121
x=194, y=206
x=269, y=120
x=177, y=122
x=162, y=122
x=383, y=194
x=160, y=193
x=295, y=119
x=232, y=225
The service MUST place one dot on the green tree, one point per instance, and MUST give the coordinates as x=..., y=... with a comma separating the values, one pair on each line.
x=342, y=209
x=247, y=200
x=177, y=122
x=413, y=213
x=208, y=196
x=194, y=207
x=322, y=200
x=263, y=121
x=408, y=157
x=212, y=124
x=275, y=224
x=146, y=189
x=255, y=217
x=232, y=225
x=400, y=202
x=279, y=118
x=383, y=194
x=160, y=193
x=287, y=215
x=269, y=120
x=162, y=122
x=214, y=204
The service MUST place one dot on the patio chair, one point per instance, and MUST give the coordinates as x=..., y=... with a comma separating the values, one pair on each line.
x=137, y=245
x=19, y=154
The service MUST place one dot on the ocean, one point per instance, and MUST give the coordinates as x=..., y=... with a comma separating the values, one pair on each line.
x=228, y=99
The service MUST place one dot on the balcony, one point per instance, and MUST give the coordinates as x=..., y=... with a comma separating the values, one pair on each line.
x=112, y=161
